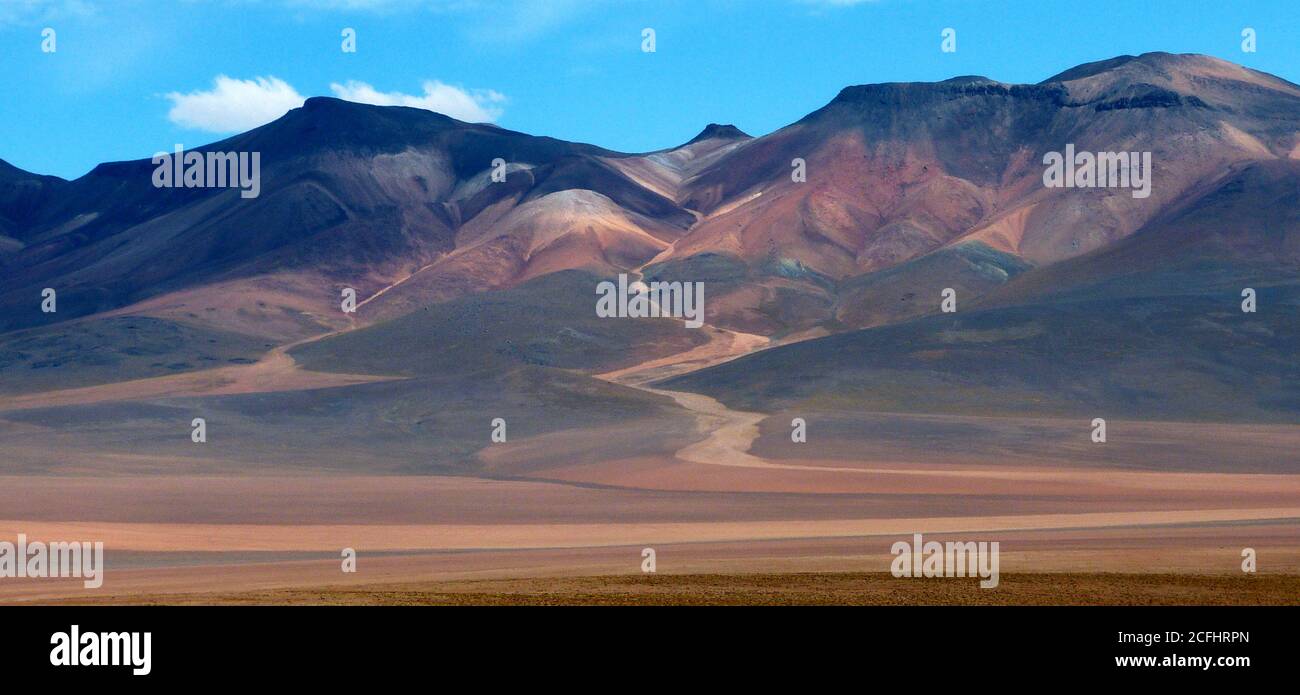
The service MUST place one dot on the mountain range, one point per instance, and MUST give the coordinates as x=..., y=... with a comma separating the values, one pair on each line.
x=1069, y=300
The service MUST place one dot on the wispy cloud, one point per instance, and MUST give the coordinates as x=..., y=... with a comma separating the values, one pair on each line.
x=368, y=5
x=476, y=106
x=506, y=21
x=234, y=105
x=38, y=11
x=522, y=20
x=835, y=3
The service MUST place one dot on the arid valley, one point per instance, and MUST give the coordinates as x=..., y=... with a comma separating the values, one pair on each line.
x=916, y=337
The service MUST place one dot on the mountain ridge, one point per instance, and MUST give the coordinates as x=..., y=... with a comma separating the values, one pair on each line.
x=401, y=203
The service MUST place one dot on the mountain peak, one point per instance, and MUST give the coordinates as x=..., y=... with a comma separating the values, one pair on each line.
x=322, y=102
x=969, y=79
x=333, y=107
x=1157, y=62
x=719, y=131
x=1171, y=78
x=1187, y=70
x=1149, y=80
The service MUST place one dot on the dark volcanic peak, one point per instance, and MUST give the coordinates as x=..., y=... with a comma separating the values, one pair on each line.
x=330, y=122
x=321, y=123
x=719, y=131
x=329, y=125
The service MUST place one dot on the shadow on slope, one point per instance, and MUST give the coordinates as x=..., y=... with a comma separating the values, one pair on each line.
x=1150, y=358
x=91, y=352
x=548, y=322
x=416, y=426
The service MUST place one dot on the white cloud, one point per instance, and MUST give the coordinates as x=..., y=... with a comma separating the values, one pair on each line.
x=234, y=105
x=477, y=106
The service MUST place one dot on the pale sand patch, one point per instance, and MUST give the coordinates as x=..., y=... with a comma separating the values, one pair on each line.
x=1245, y=141
x=731, y=432
x=379, y=537
x=1005, y=233
x=276, y=371
x=724, y=345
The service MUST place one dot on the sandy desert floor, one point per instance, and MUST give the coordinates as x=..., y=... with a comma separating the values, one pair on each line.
x=802, y=589
x=207, y=536
x=731, y=522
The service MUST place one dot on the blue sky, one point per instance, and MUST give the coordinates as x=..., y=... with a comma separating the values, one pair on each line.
x=132, y=77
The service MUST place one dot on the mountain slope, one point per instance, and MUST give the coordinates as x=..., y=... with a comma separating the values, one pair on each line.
x=897, y=171
x=910, y=188
x=351, y=195
x=1150, y=327
x=22, y=196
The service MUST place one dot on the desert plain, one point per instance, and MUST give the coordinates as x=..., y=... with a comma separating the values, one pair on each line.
x=397, y=349
x=735, y=511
